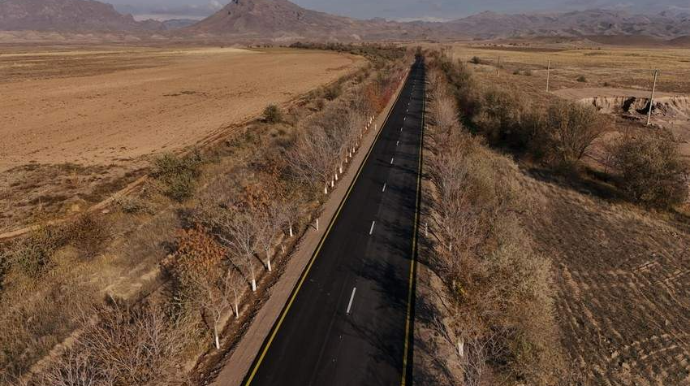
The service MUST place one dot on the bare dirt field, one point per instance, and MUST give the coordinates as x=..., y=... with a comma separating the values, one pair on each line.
x=623, y=283
x=78, y=123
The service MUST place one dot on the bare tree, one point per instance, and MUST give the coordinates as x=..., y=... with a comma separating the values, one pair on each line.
x=241, y=233
x=73, y=369
x=310, y=159
x=290, y=213
x=214, y=301
x=235, y=284
x=269, y=226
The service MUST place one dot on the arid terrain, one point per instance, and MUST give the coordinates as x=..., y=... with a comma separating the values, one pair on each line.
x=620, y=271
x=615, y=79
x=76, y=121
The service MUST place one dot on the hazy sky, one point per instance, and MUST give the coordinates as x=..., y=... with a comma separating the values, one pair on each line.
x=401, y=9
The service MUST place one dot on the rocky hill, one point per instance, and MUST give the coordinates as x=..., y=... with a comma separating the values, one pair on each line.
x=665, y=25
x=283, y=21
x=68, y=15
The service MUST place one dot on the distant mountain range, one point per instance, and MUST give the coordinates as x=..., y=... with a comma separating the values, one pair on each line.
x=281, y=20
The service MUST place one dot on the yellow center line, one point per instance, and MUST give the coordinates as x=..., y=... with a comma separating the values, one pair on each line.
x=413, y=262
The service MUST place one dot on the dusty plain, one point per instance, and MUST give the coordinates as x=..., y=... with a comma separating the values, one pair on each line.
x=79, y=123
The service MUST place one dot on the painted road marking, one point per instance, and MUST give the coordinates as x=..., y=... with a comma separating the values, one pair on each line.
x=413, y=261
x=371, y=231
x=352, y=297
x=392, y=159
x=384, y=188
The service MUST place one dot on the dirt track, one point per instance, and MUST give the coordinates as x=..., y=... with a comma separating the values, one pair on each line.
x=173, y=101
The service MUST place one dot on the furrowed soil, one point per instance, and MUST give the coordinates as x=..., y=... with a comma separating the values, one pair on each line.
x=623, y=278
x=78, y=124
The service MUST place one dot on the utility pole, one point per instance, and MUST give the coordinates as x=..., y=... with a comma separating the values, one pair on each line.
x=548, y=75
x=651, y=99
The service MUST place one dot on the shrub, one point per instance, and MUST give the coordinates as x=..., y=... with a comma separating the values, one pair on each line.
x=502, y=113
x=582, y=79
x=34, y=254
x=178, y=174
x=475, y=60
x=517, y=72
x=570, y=129
x=88, y=234
x=273, y=114
x=333, y=91
x=528, y=72
x=651, y=169
x=132, y=205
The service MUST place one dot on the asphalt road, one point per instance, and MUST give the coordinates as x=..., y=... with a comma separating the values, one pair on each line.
x=348, y=324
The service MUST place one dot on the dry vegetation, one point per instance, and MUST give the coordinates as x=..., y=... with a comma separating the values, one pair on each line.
x=202, y=241
x=599, y=65
x=79, y=125
x=608, y=209
x=493, y=322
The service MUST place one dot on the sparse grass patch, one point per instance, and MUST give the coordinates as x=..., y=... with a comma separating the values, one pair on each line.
x=133, y=205
x=33, y=255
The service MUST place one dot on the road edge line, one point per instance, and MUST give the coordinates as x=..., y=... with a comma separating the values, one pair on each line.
x=407, y=353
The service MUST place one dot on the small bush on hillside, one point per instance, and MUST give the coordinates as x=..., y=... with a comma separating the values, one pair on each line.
x=517, y=72
x=178, y=174
x=34, y=254
x=582, y=79
x=501, y=116
x=273, y=114
x=651, y=169
x=133, y=205
x=88, y=234
x=475, y=60
x=333, y=91
x=570, y=130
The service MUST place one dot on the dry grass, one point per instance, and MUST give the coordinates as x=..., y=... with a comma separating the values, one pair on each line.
x=625, y=67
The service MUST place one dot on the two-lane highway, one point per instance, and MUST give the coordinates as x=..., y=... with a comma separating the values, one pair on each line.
x=348, y=321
